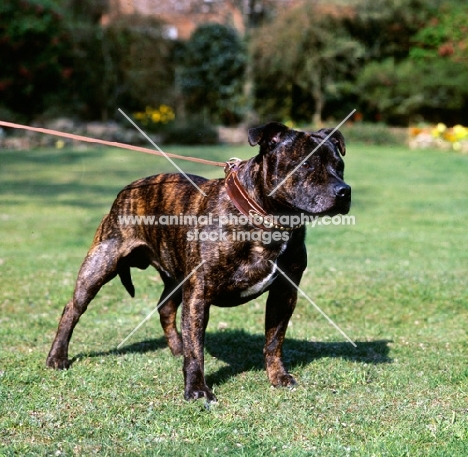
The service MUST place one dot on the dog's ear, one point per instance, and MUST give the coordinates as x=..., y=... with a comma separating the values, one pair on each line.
x=267, y=135
x=336, y=138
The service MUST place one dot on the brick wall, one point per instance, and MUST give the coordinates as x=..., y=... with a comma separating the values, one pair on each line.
x=183, y=16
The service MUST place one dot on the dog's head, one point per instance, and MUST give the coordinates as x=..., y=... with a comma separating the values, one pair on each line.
x=313, y=184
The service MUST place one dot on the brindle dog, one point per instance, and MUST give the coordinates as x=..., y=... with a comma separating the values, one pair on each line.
x=231, y=270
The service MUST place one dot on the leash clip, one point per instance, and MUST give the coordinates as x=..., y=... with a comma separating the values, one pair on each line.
x=231, y=164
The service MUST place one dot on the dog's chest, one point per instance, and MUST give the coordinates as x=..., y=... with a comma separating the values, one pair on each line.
x=269, y=271
x=260, y=285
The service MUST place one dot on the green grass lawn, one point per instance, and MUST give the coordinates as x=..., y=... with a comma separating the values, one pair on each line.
x=395, y=282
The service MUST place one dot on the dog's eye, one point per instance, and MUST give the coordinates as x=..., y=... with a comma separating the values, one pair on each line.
x=306, y=165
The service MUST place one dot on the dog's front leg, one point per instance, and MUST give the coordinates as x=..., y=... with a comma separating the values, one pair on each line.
x=195, y=315
x=279, y=308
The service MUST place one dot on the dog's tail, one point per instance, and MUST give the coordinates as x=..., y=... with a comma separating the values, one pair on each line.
x=126, y=279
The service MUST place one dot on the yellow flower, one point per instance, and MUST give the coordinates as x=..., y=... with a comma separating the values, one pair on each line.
x=449, y=136
x=441, y=127
x=161, y=115
x=460, y=132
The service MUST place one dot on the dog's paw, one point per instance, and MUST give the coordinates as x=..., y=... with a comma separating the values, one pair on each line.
x=288, y=380
x=58, y=363
x=175, y=345
x=283, y=380
x=196, y=393
x=176, y=351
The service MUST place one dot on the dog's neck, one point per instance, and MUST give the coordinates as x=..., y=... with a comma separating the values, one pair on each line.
x=244, y=185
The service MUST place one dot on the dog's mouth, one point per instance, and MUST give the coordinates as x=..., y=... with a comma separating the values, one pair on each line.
x=320, y=209
x=329, y=213
x=342, y=207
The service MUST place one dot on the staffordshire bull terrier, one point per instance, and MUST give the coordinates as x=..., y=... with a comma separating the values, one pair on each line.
x=217, y=266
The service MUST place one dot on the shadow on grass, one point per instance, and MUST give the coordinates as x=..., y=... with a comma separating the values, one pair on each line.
x=242, y=352
x=87, y=179
x=57, y=177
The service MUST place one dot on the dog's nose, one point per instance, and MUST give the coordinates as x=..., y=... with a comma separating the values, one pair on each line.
x=343, y=191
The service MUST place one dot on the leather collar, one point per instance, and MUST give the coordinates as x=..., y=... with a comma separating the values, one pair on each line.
x=248, y=207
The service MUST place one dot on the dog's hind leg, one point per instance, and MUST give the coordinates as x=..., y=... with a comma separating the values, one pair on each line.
x=170, y=300
x=98, y=268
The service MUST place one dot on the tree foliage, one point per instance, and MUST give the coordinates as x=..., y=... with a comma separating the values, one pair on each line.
x=212, y=73
x=386, y=27
x=34, y=55
x=445, y=35
x=304, y=54
x=65, y=63
x=430, y=78
x=128, y=63
x=395, y=59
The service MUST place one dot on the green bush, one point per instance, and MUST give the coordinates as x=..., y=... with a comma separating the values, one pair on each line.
x=34, y=55
x=194, y=134
x=212, y=73
x=135, y=69
x=373, y=134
